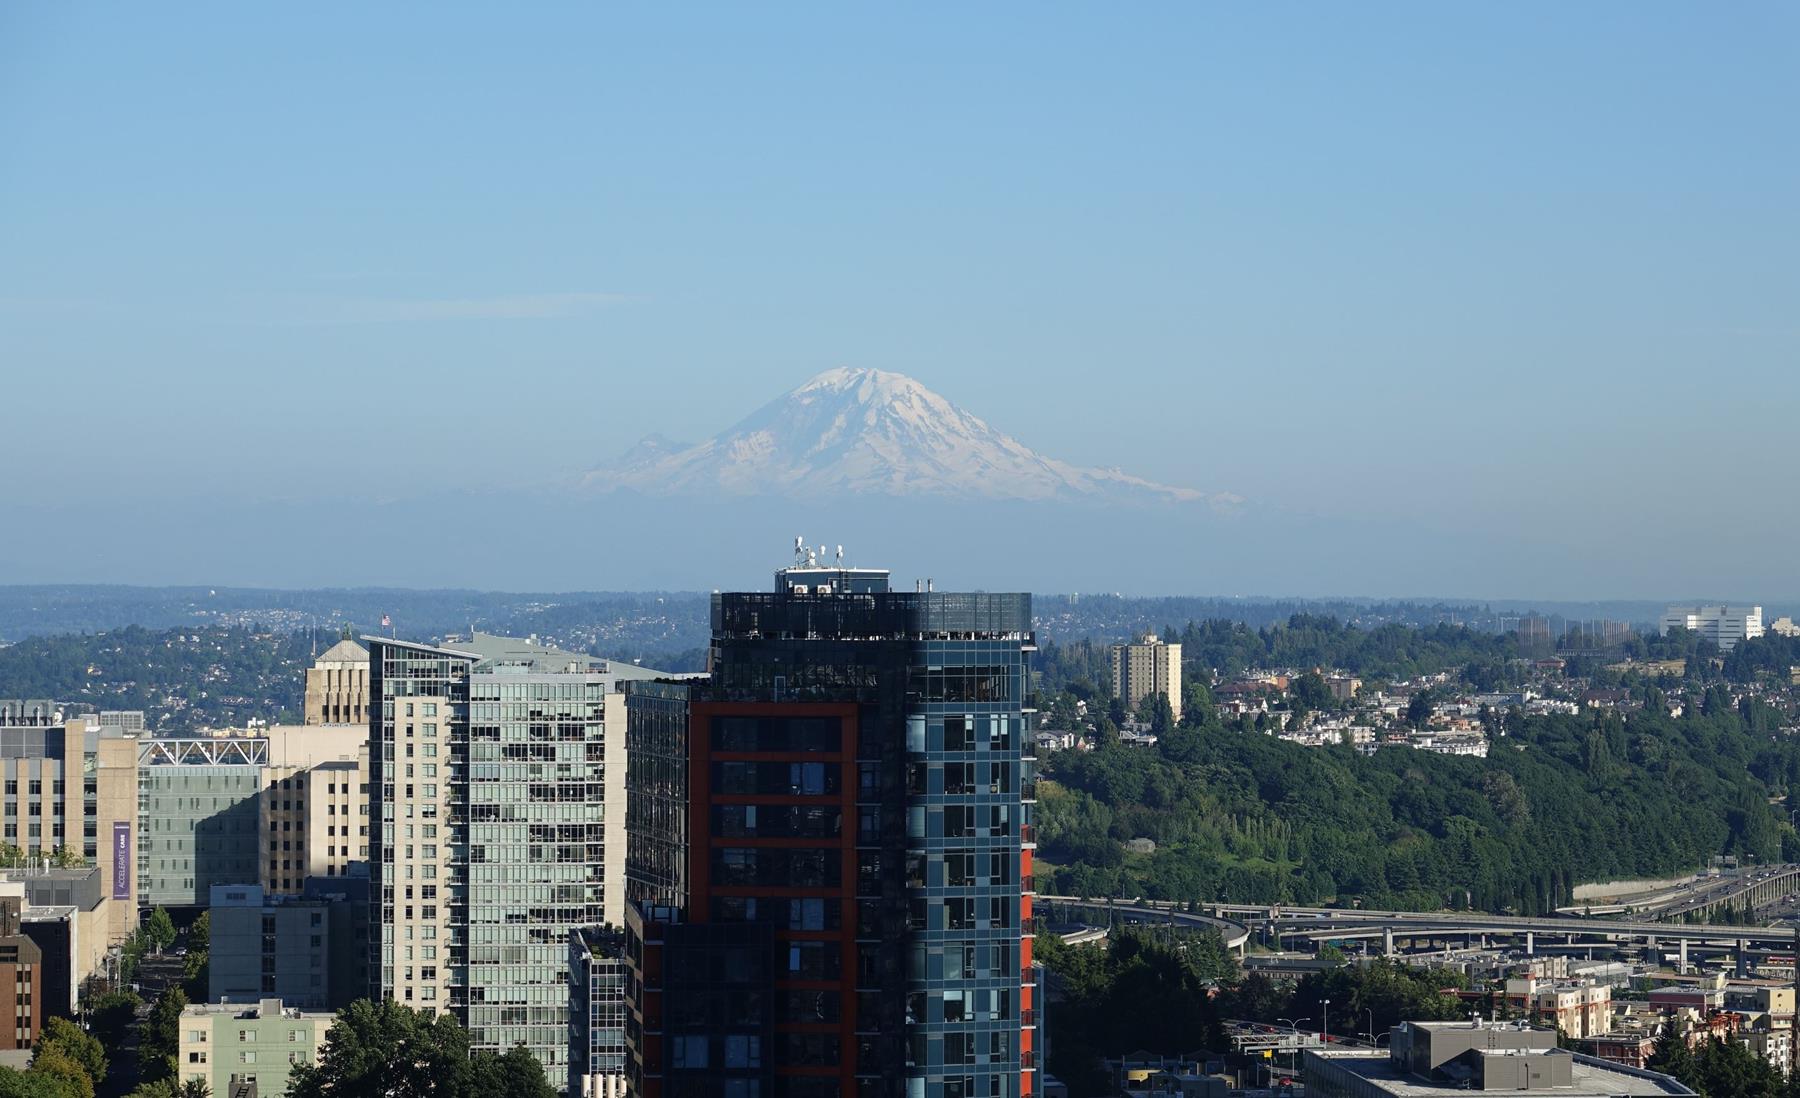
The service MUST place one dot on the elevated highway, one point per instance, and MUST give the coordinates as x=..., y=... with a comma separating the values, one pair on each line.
x=1238, y=923
x=1235, y=934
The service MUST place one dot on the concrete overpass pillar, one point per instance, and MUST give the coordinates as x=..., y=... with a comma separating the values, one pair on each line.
x=1741, y=955
x=1530, y=944
x=1387, y=941
x=1682, y=965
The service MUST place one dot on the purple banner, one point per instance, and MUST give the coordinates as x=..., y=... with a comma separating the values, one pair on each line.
x=121, y=889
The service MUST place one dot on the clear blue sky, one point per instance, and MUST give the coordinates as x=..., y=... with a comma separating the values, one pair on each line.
x=1487, y=268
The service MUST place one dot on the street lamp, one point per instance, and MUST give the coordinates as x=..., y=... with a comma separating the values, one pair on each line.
x=1325, y=1023
x=1294, y=1053
x=1371, y=1011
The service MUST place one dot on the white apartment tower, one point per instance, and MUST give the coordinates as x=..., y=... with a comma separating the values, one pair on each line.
x=1147, y=667
x=1723, y=625
x=497, y=803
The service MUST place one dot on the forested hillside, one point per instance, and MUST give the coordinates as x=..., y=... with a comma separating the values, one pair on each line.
x=1560, y=800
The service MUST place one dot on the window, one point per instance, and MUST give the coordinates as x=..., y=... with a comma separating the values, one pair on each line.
x=957, y=734
x=690, y=1051
x=959, y=1048
x=743, y=1052
x=960, y=912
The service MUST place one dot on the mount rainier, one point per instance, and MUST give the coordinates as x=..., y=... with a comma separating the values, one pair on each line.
x=868, y=432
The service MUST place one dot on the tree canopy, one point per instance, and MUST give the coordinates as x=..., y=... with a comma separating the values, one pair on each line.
x=389, y=1050
x=1561, y=799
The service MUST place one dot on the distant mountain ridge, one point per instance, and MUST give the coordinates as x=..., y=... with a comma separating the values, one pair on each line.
x=865, y=432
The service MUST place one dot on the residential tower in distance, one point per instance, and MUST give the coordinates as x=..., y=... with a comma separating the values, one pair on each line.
x=1145, y=668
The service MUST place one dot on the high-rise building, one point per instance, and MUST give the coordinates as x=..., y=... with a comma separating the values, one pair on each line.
x=1145, y=668
x=496, y=798
x=337, y=685
x=1725, y=626
x=831, y=850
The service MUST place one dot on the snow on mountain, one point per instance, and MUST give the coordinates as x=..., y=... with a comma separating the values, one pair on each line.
x=868, y=432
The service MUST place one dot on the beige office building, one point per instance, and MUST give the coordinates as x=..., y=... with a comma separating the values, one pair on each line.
x=337, y=686
x=314, y=811
x=1145, y=668
x=71, y=786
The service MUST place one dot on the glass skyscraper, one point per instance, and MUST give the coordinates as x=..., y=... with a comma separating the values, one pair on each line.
x=850, y=800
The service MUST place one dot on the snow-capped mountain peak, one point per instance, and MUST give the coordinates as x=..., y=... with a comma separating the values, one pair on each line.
x=867, y=432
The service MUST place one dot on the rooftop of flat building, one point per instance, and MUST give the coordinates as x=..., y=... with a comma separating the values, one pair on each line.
x=261, y=1009
x=492, y=653
x=1590, y=1077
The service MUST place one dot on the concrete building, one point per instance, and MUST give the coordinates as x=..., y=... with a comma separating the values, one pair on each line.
x=1723, y=625
x=240, y=807
x=21, y=973
x=197, y=799
x=1784, y=626
x=301, y=951
x=337, y=686
x=70, y=917
x=497, y=806
x=225, y=1045
x=597, y=974
x=1449, y=1059
x=1147, y=667
x=72, y=785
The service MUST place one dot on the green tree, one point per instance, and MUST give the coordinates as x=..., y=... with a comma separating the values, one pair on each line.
x=1311, y=691
x=160, y=1037
x=68, y=1039
x=394, y=1051
x=54, y=1064
x=111, y=1013
x=515, y=1072
x=159, y=929
x=1418, y=709
x=35, y=1084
